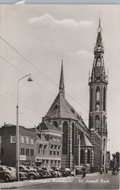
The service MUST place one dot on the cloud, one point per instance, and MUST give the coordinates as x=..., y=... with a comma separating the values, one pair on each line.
x=46, y=18
x=20, y=2
x=79, y=53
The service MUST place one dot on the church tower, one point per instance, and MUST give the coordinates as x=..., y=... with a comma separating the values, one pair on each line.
x=98, y=95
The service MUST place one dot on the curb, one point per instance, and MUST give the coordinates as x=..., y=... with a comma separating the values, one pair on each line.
x=32, y=182
x=16, y=184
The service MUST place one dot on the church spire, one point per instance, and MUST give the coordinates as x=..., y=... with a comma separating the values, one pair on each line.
x=98, y=70
x=61, y=84
x=99, y=45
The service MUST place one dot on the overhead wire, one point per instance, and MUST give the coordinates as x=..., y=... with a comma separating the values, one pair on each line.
x=37, y=68
x=23, y=104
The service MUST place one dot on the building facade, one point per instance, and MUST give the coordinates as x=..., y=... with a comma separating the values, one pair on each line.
x=8, y=145
x=48, y=146
x=98, y=98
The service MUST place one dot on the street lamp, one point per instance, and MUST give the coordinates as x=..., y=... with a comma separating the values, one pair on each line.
x=17, y=122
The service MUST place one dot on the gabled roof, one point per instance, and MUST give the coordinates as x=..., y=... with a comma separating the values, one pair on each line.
x=85, y=141
x=62, y=109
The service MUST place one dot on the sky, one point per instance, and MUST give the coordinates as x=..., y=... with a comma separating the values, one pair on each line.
x=35, y=38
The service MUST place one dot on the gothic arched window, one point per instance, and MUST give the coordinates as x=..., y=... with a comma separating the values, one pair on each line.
x=97, y=121
x=104, y=99
x=82, y=156
x=91, y=99
x=98, y=94
x=73, y=128
x=88, y=156
x=65, y=138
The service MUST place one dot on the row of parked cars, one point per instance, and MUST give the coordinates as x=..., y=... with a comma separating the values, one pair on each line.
x=28, y=172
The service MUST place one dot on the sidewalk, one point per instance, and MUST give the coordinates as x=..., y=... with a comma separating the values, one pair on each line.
x=16, y=184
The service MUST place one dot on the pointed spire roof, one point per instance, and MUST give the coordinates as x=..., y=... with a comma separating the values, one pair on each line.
x=99, y=44
x=61, y=84
x=98, y=70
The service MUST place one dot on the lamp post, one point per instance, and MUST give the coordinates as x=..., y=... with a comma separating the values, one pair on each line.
x=17, y=122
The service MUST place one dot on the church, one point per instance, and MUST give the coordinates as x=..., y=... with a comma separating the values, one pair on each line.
x=82, y=145
x=63, y=139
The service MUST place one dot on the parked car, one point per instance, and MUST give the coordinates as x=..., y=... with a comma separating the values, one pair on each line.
x=65, y=172
x=6, y=174
x=53, y=173
x=59, y=174
x=30, y=172
x=22, y=175
x=39, y=170
x=46, y=173
x=23, y=168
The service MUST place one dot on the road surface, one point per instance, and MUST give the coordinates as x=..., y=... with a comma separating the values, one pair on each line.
x=104, y=181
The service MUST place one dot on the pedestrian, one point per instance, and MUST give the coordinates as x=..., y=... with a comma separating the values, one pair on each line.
x=106, y=170
x=83, y=172
x=101, y=170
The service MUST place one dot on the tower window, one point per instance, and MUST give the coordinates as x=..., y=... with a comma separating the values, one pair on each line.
x=97, y=107
x=98, y=94
x=97, y=121
x=98, y=62
x=104, y=99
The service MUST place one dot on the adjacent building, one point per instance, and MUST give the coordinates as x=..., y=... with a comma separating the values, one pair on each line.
x=48, y=146
x=8, y=145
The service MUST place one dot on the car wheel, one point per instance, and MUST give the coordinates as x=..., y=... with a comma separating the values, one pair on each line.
x=7, y=179
x=31, y=177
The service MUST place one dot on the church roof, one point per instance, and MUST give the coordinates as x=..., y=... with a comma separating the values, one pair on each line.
x=61, y=108
x=85, y=141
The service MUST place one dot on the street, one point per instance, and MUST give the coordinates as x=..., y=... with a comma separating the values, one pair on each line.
x=105, y=181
